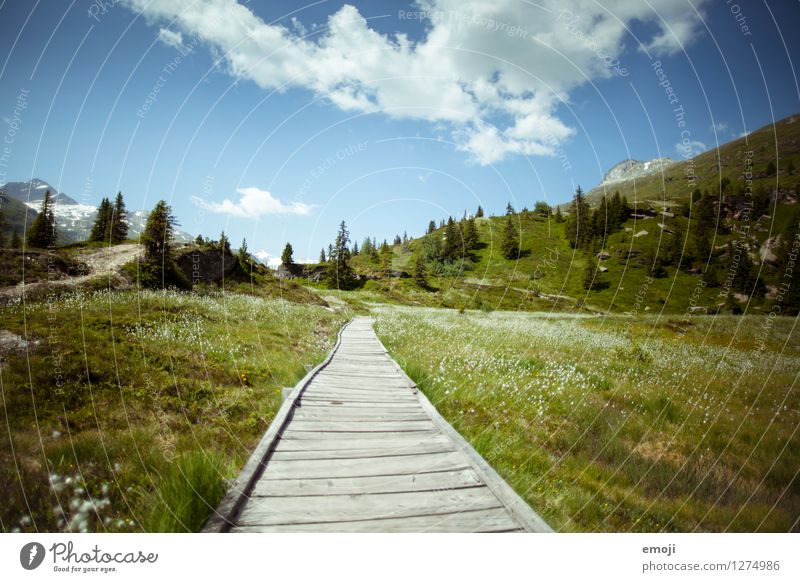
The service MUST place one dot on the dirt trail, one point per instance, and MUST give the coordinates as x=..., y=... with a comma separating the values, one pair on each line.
x=101, y=262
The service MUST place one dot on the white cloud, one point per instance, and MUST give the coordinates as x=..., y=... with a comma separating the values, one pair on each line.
x=690, y=149
x=273, y=261
x=493, y=73
x=254, y=203
x=720, y=127
x=171, y=38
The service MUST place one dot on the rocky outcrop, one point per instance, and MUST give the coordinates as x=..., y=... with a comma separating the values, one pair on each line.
x=206, y=266
x=294, y=271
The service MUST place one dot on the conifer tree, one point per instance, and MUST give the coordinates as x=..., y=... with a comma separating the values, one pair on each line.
x=431, y=227
x=509, y=209
x=452, y=241
x=339, y=274
x=16, y=241
x=322, y=258
x=479, y=212
x=471, y=238
x=118, y=226
x=510, y=243
x=579, y=231
x=420, y=272
x=158, y=268
x=224, y=243
x=355, y=248
x=559, y=218
x=286, y=256
x=101, y=229
x=244, y=257
x=42, y=233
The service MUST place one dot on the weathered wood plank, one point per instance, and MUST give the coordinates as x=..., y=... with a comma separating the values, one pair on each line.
x=366, y=426
x=480, y=521
x=339, y=415
x=332, y=442
x=360, y=485
x=338, y=508
x=362, y=453
x=330, y=468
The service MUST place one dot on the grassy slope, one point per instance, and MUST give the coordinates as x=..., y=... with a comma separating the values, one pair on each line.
x=726, y=162
x=549, y=267
x=616, y=424
x=152, y=413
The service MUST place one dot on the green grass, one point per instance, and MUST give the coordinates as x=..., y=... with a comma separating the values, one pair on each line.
x=145, y=402
x=618, y=423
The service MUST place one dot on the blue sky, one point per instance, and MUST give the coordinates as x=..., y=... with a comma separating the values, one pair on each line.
x=275, y=122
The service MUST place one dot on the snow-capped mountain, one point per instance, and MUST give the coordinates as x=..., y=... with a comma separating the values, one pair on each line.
x=628, y=169
x=74, y=220
x=33, y=191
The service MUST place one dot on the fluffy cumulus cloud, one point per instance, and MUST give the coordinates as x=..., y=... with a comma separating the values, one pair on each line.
x=170, y=38
x=253, y=203
x=496, y=73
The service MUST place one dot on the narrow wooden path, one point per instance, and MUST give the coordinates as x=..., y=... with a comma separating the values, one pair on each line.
x=356, y=448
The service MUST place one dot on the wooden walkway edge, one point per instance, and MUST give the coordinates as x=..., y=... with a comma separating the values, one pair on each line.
x=355, y=447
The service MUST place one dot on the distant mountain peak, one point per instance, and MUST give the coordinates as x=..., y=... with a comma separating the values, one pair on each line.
x=33, y=191
x=628, y=169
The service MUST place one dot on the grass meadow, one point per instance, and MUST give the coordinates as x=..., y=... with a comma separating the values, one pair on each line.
x=617, y=423
x=130, y=411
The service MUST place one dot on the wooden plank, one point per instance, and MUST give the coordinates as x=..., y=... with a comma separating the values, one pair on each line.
x=338, y=508
x=360, y=485
x=375, y=441
x=480, y=521
x=360, y=415
x=366, y=426
x=361, y=453
x=338, y=404
x=354, y=436
x=330, y=468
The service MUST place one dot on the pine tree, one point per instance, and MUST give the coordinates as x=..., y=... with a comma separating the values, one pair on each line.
x=509, y=209
x=339, y=274
x=579, y=231
x=559, y=218
x=244, y=257
x=510, y=244
x=790, y=168
x=322, y=258
x=479, y=212
x=286, y=256
x=431, y=227
x=542, y=208
x=703, y=223
x=101, y=230
x=420, y=272
x=355, y=248
x=158, y=268
x=224, y=244
x=452, y=241
x=471, y=237
x=770, y=170
x=2, y=227
x=118, y=224
x=199, y=240
x=16, y=241
x=42, y=233
x=397, y=240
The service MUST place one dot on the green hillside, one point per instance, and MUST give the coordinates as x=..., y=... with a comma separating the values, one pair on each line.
x=654, y=260
x=731, y=160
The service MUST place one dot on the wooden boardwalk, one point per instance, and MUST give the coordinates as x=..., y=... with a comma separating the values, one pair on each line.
x=356, y=448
